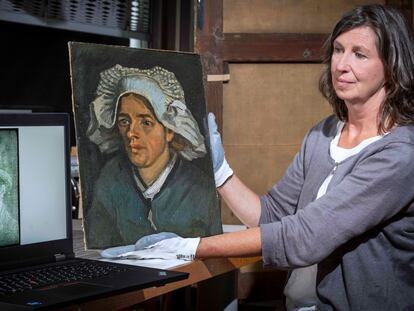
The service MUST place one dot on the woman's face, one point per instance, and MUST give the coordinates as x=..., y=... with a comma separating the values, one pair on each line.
x=145, y=139
x=356, y=67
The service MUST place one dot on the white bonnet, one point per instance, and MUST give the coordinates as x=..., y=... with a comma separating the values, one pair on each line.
x=162, y=90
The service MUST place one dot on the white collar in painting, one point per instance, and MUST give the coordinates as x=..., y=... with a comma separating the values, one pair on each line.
x=155, y=187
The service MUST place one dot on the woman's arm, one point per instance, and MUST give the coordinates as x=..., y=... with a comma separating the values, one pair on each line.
x=234, y=244
x=244, y=203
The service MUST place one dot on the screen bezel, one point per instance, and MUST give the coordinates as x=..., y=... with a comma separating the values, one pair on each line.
x=37, y=253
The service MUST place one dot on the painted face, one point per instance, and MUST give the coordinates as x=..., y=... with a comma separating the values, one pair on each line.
x=145, y=139
x=356, y=67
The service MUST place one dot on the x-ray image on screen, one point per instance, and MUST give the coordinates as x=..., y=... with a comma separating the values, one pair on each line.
x=9, y=188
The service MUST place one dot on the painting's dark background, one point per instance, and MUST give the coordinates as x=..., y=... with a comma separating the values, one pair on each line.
x=89, y=60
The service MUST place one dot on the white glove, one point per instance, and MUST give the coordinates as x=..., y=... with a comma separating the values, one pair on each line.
x=151, y=239
x=173, y=248
x=144, y=242
x=222, y=170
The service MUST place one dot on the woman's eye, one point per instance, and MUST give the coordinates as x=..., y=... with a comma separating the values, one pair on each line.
x=336, y=50
x=123, y=122
x=146, y=122
x=359, y=55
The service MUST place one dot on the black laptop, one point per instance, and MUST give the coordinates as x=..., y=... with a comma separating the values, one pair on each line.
x=38, y=269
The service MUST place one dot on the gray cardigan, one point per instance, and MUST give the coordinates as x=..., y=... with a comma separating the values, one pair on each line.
x=361, y=232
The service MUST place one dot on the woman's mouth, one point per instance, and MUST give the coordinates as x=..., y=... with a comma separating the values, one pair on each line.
x=343, y=82
x=136, y=147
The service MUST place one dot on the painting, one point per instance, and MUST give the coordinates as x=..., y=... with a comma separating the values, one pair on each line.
x=141, y=132
x=9, y=188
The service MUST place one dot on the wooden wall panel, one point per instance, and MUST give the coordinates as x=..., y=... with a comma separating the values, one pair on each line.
x=267, y=110
x=284, y=16
x=262, y=99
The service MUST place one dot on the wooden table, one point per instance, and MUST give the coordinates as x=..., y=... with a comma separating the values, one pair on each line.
x=206, y=274
x=200, y=270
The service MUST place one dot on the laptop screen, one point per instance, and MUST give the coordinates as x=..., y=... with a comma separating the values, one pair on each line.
x=34, y=188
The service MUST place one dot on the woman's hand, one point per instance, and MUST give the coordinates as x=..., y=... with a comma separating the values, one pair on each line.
x=222, y=170
x=244, y=203
x=163, y=245
x=167, y=249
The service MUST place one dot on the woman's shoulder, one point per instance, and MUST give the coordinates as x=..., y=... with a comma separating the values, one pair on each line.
x=401, y=139
x=117, y=165
x=323, y=131
x=115, y=160
x=402, y=134
x=192, y=173
x=327, y=126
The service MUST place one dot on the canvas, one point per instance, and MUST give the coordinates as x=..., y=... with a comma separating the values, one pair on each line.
x=144, y=158
x=9, y=204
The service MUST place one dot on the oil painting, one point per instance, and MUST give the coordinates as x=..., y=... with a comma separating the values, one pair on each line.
x=144, y=159
x=9, y=188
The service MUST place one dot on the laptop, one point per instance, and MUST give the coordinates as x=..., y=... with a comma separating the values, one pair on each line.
x=36, y=244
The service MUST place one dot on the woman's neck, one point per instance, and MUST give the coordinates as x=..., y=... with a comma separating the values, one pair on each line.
x=362, y=120
x=150, y=174
x=357, y=128
x=354, y=133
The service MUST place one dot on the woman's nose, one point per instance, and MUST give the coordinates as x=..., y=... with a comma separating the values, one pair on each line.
x=134, y=130
x=342, y=63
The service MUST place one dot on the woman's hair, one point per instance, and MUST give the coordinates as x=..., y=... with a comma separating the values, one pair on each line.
x=394, y=41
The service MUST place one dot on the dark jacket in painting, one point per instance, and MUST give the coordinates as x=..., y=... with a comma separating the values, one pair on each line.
x=185, y=205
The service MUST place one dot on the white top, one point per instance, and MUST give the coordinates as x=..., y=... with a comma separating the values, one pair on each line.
x=300, y=290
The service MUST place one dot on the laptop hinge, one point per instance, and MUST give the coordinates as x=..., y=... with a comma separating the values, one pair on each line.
x=60, y=257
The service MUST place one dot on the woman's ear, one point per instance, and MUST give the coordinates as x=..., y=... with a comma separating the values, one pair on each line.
x=169, y=135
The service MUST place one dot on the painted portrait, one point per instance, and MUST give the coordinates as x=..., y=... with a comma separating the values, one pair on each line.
x=9, y=204
x=144, y=162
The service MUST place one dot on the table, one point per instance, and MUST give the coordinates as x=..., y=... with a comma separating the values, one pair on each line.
x=200, y=270
x=208, y=274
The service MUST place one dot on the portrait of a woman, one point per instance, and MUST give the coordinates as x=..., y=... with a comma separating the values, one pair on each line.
x=140, y=122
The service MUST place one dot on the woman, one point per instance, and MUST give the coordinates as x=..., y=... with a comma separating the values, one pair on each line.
x=344, y=211
x=149, y=184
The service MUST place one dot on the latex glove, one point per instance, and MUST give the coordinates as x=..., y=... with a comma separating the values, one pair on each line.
x=222, y=170
x=174, y=248
x=145, y=241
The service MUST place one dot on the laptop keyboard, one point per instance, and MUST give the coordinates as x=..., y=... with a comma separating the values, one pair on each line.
x=51, y=275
